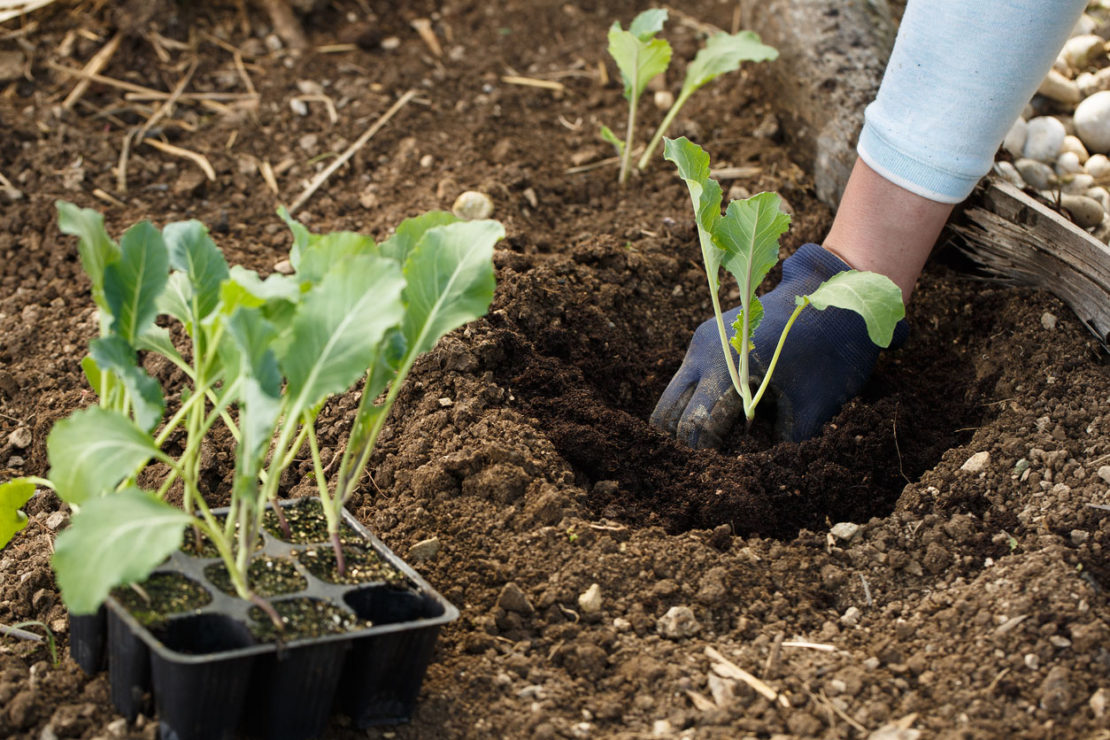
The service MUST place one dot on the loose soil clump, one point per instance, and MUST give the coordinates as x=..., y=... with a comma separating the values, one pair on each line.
x=964, y=592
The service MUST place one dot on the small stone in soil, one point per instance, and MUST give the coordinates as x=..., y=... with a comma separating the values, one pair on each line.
x=424, y=550
x=677, y=623
x=845, y=531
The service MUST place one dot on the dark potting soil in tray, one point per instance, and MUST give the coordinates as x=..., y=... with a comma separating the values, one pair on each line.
x=160, y=595
x=266, y=576
x=303, y=617
x=306, y=524
x=363, y=565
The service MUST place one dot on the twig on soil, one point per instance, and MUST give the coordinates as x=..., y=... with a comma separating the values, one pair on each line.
x=773, y=657
x=569, y=612
x=592, y=166
x=242, y=70
x=121, y=166
x=200, y=160
x=842, y=714
x=734, y=173
x=267, y=171
x=533, y=82
x=138, y=93
x=350, y=152
x=701, y=703
x=107, y=197
x=7, y=186
x=336, y=48
x=167, y=105
x=866, y=590
x=608, y=527
x=97, y=63
x=423, y=26
x=994, y=681
x=810, y=646
x=10, y=9
x=727, y=669
x=333, y=116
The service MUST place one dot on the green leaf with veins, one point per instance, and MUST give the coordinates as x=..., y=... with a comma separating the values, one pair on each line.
x=175, y=298
x=112, y=541
x=94, y=246
x=639, y=58
x=194, y=253
x=756, y=311
x=449, y=281
x=749, y=236
x=337, y=328
x=326, y=250
x=705, y=194
x=302, y=237
x=92, y=450
x=133, y=283
x=873, y=296
x=157, y=339
x=115, y=355
x=411, y=231
x=250, y=338
x=13, y=495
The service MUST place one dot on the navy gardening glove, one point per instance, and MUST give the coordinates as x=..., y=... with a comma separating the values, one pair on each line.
x=826, y=360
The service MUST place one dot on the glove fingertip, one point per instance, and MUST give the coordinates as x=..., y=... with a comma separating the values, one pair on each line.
x=672, y=404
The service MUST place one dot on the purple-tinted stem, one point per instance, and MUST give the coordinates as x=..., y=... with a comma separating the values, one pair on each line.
x=267, y=607
x=340, y=562
x=279, y=512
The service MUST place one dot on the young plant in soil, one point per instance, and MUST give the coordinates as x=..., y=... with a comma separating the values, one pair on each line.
x=745, y=241
x=262, y=356
x=640, y=57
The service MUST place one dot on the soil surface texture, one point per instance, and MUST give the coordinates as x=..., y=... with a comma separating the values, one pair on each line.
x=933, y=562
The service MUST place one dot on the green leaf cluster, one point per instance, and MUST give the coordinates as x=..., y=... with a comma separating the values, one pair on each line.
x=641, y=57
x=745, y=241
x=260, y=357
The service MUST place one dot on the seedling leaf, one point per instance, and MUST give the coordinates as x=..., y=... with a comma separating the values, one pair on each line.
x=755, y=311
x=133, y=283
x=608, y=136
x=648, y=23
x=93, y=450
x=749, y=235
x=873, y=296
x=251, y=337
x=13, y=495
x=724, y=53
x=411, y=230
x=449, y=281
x=325, y=250
x=302, y=237
x=638, y=59
x=115, y=355
x=194, y=253
x=94, y=246
x=693, y=166
x=114, y=540
x=337, y=327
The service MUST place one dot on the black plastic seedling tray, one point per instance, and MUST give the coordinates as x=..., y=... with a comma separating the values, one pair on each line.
x=211, y=679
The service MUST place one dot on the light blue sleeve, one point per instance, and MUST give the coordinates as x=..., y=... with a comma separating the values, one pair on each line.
x=958, y=77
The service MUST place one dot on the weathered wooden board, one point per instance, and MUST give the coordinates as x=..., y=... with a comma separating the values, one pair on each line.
x=831, y=59
x=1012, y=237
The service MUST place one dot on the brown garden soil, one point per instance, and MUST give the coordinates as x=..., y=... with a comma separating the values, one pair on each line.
x=970, y=603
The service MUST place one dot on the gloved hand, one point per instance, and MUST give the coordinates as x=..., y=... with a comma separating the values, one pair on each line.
x=826, y=360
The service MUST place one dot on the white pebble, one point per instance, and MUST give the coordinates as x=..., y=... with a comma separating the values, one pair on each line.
x=678, y=622
x=1077, y=184
x=845, y=531
x=589, y=601
x=473, y=205
x=1056, y=86
x=1075, y=145
x=663, y=99
x=1044, y=139
x=1014, y=142
x=1081, y=51
x=1009, y=173
x=284, y=267
x=1037, y=174
x=1098, y=167
x=299, y=107
x=850, y=618
x=1101, y=195
x=1104, y=473
x=1048, y=320
x=20, y=438
x=1085, y=24
x=1088, y=84
x=1092, y=122
x=1068, y=164
x=977, y=463
x=1086, y=212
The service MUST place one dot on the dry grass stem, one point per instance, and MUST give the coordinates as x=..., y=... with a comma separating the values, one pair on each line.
x=321, y=178
x=727, y=669
x=107, y=197
x=734, y=173
x=533, y=82
x=167, y=105
x=810, y=646
x=336, y=48
x=701, y=703
x=200, y=160
x=267, y=171
x=14, y=8
x=97, y=63
x=333, y=115
x=124, y=155
x=842, y=714
x=242, y=70
x=423, y=26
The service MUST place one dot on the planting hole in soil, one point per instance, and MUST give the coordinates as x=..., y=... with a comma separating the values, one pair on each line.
x=266, y=576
